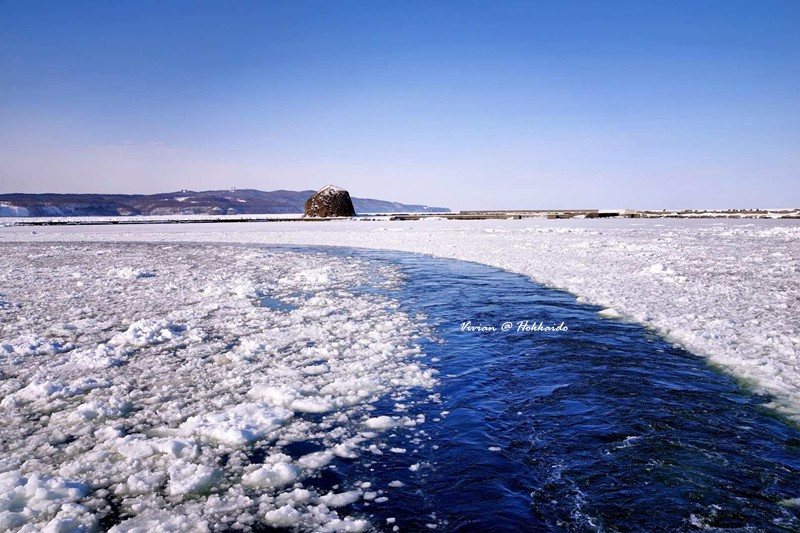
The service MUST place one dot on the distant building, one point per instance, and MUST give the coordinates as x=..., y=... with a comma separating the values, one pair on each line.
x=627, y=213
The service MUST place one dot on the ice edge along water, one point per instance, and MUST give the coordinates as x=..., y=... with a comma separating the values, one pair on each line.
x=726, y=289
x=149, y=385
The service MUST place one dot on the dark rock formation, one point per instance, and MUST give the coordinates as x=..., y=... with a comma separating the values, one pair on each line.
x=330, y=201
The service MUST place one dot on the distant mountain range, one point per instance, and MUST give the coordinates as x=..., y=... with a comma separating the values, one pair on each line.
x=232, y=202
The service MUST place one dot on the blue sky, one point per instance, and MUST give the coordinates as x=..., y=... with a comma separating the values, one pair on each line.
x=642, y=104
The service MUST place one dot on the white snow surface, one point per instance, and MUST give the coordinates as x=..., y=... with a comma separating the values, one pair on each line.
x=138, y=374
x=141, y=399
x=330, y=189
x=725, y=289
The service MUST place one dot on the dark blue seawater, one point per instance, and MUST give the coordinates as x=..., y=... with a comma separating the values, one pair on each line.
x=604, y=427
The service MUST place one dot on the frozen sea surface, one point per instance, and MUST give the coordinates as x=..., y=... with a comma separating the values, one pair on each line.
x=193, y=387
x=725, y=289
x=148, y=385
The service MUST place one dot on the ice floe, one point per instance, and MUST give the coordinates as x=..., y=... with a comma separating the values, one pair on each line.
x=168, y=402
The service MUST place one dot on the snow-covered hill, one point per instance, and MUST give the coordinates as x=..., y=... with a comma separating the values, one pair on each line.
x=234, y=201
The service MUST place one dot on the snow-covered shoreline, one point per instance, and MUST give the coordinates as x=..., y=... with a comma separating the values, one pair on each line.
x=727, y=290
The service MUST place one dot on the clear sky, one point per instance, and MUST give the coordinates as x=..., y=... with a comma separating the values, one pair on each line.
x=489, y=104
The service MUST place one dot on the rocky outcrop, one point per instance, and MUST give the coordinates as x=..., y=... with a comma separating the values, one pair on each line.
x=329, y=201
